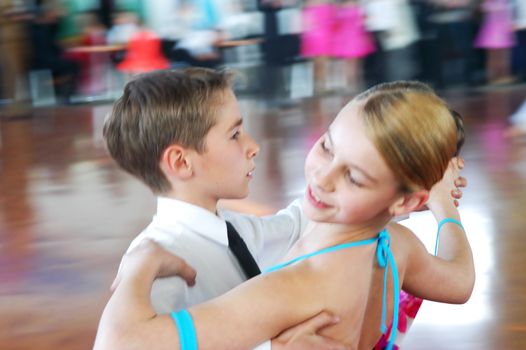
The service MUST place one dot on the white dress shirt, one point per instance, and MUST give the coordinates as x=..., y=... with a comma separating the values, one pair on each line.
x=200, y=237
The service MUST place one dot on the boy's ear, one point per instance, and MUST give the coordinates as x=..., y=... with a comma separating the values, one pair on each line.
x=409, y=202
x=175, y=162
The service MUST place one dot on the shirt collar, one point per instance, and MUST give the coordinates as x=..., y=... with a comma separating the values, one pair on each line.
x=172, y=212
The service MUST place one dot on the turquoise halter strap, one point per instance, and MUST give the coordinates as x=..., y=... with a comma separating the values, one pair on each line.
x=384, y=257
x=322, y=251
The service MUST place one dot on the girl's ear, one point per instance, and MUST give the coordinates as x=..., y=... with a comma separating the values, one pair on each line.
x=409, y=202
x=176, y=162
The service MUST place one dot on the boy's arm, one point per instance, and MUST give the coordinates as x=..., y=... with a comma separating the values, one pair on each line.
x=450, y=276
x=246, y=206
x=269, y=238
x=279, y=232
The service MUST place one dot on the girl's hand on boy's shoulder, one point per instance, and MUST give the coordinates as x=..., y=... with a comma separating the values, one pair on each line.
x=149, y=260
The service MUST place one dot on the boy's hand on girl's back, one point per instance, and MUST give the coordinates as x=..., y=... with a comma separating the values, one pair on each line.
x=458, y=183
x=150, y=260
x=448, y=190
x=304, y=336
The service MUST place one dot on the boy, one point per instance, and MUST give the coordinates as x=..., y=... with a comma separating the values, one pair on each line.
x=181, y=133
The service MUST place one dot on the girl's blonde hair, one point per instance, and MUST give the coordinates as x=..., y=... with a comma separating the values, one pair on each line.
x=413, y=130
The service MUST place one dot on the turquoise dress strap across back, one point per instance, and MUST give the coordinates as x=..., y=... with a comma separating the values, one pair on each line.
x=384, y=257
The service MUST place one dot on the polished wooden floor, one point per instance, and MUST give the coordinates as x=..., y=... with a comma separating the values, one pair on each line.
x=67, y=214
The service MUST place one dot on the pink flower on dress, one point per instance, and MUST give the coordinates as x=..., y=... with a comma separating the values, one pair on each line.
x=408, y=308
x=410, y=304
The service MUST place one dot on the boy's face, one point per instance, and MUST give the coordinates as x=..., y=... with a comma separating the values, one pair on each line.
x=225, y=169
x=347, y=179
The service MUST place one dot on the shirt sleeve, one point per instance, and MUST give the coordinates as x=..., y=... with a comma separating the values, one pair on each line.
x=269, y=238
x=280, y=232
x=168, y=294
x=400, y=218
x=265, y=346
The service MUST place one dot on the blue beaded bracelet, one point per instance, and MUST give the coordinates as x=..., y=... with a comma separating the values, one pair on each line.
x=440, y=224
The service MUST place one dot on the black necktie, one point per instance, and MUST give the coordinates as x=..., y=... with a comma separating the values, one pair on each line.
x=241, y=252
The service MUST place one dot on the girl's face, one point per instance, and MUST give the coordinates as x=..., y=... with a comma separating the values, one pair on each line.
x=348, y=182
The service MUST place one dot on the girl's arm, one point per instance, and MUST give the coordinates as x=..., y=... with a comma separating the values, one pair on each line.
x=129, y=321
x=450, y=276
x=232, y=321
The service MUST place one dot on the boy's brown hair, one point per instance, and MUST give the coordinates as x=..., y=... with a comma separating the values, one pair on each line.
x=159, y=109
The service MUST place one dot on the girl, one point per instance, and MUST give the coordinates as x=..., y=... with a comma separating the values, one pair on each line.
x=378, y=159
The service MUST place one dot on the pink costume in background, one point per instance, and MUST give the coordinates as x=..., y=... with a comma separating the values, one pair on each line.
x=496, y=31
x=316, y=37
x=351, y=39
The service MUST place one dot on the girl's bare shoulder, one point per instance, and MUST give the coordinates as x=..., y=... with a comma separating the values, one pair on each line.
x=399, y=231
x=402, y=237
